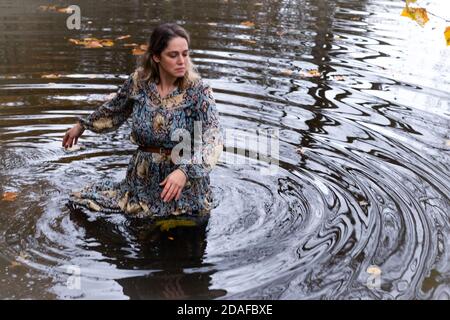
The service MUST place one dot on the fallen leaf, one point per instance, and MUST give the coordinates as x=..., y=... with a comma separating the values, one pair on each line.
x=130, y=45
x=51, y=76
x=338, y=78
x=247, y=24
x=47, y=8
x=314, y=73
x=170, y=238
x=374, y=270
x=123, y=37
x=250, y=41
x=65, y=10
x=300, y=150
x=9, y=196
x=166, y=225
x=212, y=24
x=93, y=44
x=417, y=14
x=107, y=42
x=143, y=47
x=447, y=35
x=138, y=51
x=281, y=32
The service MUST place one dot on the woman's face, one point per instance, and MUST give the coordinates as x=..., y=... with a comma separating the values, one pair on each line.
x=174, y=58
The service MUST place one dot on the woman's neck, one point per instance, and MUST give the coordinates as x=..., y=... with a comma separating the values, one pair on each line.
x=166, y=82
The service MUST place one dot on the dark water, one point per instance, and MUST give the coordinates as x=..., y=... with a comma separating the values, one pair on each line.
x=360, y=211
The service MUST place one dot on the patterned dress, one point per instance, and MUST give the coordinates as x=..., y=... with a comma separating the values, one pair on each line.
x=154, y=121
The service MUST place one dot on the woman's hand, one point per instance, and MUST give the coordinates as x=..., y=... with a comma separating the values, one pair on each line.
x=72, y=135
x=173, y=185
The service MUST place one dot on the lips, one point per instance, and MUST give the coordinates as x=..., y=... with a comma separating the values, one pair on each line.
x=179, y=70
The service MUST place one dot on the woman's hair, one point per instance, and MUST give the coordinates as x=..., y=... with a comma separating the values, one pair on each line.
x=147, y=69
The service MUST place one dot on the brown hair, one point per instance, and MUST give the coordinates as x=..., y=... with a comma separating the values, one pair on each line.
x=147, y=69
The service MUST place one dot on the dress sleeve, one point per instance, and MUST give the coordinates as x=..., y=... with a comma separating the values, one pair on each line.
x=212, y=136
x=113, y=113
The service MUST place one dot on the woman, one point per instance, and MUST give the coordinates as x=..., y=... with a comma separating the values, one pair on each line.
x=163, y=97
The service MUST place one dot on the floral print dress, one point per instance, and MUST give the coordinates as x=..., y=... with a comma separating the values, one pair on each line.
x=154, y=120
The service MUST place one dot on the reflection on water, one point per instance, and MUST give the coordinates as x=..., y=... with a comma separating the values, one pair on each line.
x=359, y=207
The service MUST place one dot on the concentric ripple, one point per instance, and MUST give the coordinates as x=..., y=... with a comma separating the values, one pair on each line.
x=356, y=208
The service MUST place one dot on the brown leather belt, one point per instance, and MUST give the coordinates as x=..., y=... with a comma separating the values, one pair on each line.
x=155, y=149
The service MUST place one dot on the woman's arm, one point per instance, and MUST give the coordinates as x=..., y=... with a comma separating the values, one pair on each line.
x=113, y=113
x=204, y=161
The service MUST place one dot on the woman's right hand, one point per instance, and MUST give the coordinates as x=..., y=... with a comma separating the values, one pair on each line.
x=72, y=135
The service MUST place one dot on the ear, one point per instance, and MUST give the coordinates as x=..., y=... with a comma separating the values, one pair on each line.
x=156, y=58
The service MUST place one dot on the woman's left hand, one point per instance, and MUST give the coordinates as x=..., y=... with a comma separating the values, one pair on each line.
x=173, y=185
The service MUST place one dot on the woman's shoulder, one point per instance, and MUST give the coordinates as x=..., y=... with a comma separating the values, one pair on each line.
x=200, y=87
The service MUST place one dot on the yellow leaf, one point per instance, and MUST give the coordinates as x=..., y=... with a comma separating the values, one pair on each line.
x=138, y=51
x=9, y=196
x=166, y=225
x=74, y=41
x=311, y=73
x=374, y=270
x=51, y=76
x=107, y=42
x=93, y=44
x=248, y=24
x=65, y=10
x=417, y=14
x=410, y=1
x=447, y=35
x=123, y=37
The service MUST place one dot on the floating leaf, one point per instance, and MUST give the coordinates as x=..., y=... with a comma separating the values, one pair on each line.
x=65, y=10
x=314, y=73
x=93, y=44
x=417, y=14
x=247, y=24
x=47, y=8
x=138, y=51
x=123, y=37
x=51, y=76
x=130, y=45
x=374, y=270
x=166, y=225
x=9, y=196
x=447, y=35
x=338, y=78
